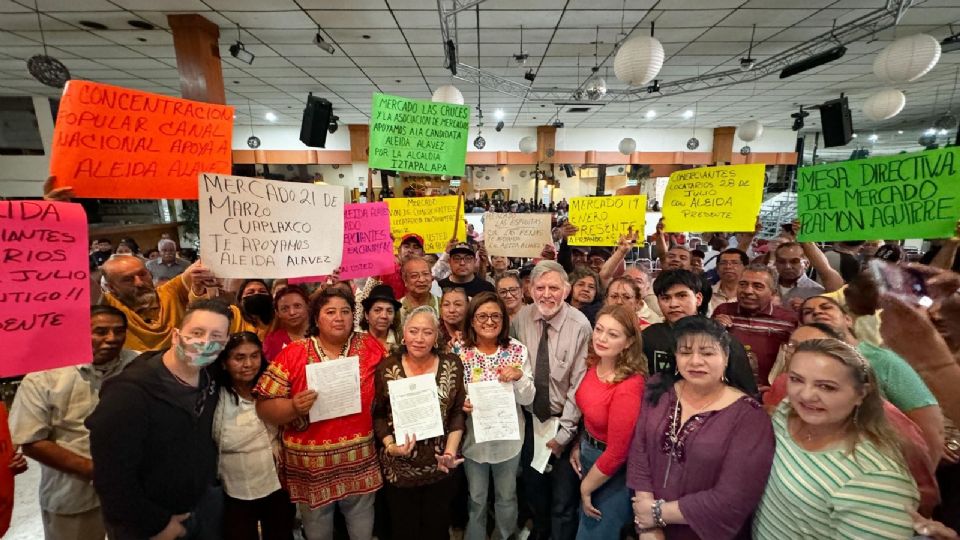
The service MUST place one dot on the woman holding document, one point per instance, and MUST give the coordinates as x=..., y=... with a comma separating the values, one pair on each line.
x=328, y=452
x=419, y=420
x=493, y=363
x=609, y=397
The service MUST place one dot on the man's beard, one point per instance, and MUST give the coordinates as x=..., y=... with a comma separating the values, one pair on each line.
x=141, y=300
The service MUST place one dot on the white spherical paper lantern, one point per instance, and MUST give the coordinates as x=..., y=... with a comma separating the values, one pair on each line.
x=639, y=60
x=528, y=145
x=628, y=146
x=448, y=94
x=907, y=59
x=750, y=130
x=884, y=104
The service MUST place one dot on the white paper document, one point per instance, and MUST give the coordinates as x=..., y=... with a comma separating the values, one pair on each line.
x=494, y=411
x=415, y=405
x=542, y=433
x=337, y=383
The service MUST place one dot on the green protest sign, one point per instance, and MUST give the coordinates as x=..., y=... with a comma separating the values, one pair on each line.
x=418, y=136
x=889, y=197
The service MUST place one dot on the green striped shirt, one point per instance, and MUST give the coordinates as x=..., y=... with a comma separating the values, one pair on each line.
x=832, y=494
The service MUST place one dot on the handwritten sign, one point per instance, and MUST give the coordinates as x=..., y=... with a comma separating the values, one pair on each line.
x=44, y=286
x=433, y=218
x=516, y=235
x=116, y=143
x=714, y=199
x=418, y=136
x=889, y=197
x=367, y=247
x=269, y=229
x=603, y=220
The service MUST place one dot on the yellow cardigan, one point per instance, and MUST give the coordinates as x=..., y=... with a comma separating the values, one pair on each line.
x=154, y=335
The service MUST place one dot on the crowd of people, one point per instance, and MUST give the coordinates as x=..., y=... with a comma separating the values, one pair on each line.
x=749, y=395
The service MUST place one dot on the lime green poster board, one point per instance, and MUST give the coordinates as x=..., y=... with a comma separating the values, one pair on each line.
x=418, y=136
x=888, y=197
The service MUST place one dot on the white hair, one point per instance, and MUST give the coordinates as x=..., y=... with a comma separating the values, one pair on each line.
x=545, y=267
x=164, y=242
x=423, y=310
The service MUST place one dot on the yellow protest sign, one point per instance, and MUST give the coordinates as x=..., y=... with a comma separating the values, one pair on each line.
x=601, y=221
x=714, y=199
x=433, y=218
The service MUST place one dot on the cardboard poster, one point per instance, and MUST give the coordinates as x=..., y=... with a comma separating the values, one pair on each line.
x=433, y=218
x=44, y=286
x=888, y=197
x=714, y=199
x=516, y=235
x=603, y=220
x=418, y=136
x=268, y=228
x=117, y=143
x=367, y=247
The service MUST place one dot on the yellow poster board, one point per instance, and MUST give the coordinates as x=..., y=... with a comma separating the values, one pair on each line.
x=714, y=199
x=601, y=221
x=433, y=218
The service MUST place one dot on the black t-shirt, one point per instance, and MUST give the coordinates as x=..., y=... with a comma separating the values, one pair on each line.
x=659, y=347
x=473, y=288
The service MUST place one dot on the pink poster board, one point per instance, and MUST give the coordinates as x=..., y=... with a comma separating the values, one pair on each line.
x=367, y=245
x=44, y=286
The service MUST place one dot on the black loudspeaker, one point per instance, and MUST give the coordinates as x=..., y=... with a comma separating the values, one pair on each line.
x=316, y=121
x=568, y=169
x=837, y=122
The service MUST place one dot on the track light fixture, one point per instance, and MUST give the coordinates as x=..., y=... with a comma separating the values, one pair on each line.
x=746, y=64
x=798, y=119
x=332, y=128
x=814, y=61
x=654, y=87
x=320, y=42
x=499, y=126
x=238, y=51
x=530, y=75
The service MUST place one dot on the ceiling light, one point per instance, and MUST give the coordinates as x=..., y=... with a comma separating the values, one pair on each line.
x=746, y=64
x=240, y=53
x=930, y=131
x=798, y=119
x=142, y=25
x=270, y=117
x=816, y=60
x=942, y=132
x=688, y=114
x=651, y=114
x=332, y=128
x=854, y=135
x=499, y=126
x=319, y=42
x=950, y=43
x=654, y=87
x=521, y=57
x=93, y=25
x=873, y=138
x=498, y=114
x=899, y=132
x=530, y=75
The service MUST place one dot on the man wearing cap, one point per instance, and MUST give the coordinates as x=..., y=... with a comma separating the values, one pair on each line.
x=411, y=245
x=463, y=272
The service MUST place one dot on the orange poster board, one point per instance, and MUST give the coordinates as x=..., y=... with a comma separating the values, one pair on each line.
x=117, y=143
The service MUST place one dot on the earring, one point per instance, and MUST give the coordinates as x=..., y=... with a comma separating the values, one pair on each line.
x=723, y=375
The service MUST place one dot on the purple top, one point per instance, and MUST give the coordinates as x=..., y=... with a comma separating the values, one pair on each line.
x=718, y=471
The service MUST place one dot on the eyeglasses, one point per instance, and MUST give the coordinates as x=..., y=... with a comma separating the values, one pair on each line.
x=618, y=297
x=482, y=318
x=512, y=291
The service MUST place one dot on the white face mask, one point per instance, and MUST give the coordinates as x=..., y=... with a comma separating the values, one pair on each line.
x=197, y=352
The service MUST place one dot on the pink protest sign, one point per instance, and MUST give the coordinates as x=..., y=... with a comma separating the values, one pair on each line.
x=367, y=245
x=44, y=286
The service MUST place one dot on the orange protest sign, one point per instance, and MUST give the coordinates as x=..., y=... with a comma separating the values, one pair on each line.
x=116, y=143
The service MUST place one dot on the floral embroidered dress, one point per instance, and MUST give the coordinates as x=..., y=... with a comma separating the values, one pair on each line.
x=329, y=460
x=420, y=467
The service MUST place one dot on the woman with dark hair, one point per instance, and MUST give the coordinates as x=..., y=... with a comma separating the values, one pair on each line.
x=254, y=498
x=586, y=292
x=418, y=486
x=510, y=290
x=610, y=397
x=702, y=448
x=381, y=317
x=490, y=354
x=292, y=320
x=256, y=308
x=453, y=313
x=838, y=470
x=329, y=463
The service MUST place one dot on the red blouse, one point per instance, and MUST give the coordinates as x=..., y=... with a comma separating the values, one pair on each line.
x=610, y=412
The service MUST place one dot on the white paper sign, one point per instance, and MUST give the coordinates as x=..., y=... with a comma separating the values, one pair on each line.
x=516, y=235
x=494, y=411
x=268, y=228
x=415, y=404
x=542, y=433
x=337, y=383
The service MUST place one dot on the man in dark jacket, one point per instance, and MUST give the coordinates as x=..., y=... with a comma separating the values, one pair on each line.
x=155, y=461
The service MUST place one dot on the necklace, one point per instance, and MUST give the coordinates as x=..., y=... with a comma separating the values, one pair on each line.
x=323, y=354
x=675, y=426
x=604, y=377
x=697, y=410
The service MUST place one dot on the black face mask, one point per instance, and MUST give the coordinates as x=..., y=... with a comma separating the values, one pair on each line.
x=259, y=305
